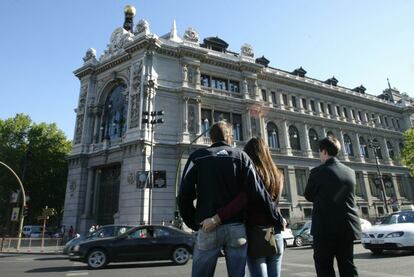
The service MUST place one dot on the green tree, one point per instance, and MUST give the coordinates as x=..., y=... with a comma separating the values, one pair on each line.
x=408, y=151
x=36, y=152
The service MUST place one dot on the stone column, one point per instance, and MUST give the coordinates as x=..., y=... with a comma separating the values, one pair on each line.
x=89, y=192
x=387, y=157
x=198, y=78
x=290, y=103
x=186, y=137
x=285, y=138
x=248, y=129
x=366, y=187
x=335, y=112
x=306, y=144
x=245, y=89
x=256, y=91
x=318, y=109
x=396, y=188
x=291, y=182
x=397, y=151
x=358, y=154
x=279, y=99
x=341, y=138
x=198, y=116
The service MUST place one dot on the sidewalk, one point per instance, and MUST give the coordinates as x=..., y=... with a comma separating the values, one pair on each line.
x=31, y=246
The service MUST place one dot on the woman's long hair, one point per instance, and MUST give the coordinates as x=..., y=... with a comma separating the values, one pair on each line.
x=259, y=153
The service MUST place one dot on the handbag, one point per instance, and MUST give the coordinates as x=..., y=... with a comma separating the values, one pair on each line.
x=261, y=242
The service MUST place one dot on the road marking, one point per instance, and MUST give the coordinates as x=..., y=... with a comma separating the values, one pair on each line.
x=77, y=273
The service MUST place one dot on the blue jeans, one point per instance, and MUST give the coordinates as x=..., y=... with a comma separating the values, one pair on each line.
x=229, y=237
x=268, y=266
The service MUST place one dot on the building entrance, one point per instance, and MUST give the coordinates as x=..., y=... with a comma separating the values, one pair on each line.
x=108, y=194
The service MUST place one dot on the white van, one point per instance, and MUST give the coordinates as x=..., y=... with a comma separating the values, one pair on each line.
x=28, y=230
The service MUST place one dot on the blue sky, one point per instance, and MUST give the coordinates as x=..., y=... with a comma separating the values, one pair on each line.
x=359, y=42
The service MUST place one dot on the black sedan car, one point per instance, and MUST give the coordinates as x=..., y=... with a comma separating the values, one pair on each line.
x=143, y=243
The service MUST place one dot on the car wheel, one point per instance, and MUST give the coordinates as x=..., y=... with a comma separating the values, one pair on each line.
x=97, y=258
x=377, y=251
x=298, y=241
x=180, y=255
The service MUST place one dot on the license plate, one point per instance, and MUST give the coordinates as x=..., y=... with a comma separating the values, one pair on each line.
x=377, y=241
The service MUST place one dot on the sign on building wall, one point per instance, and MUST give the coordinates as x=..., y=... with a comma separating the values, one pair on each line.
x=160, y=179
x=142, y=179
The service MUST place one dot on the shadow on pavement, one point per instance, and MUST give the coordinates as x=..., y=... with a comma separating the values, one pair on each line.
x=385, y=254
x=108, y=267
x=52, y=258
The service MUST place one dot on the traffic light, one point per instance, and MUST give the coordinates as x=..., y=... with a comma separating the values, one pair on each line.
x=25, y=211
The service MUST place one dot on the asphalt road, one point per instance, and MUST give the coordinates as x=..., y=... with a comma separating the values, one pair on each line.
x=296, y=262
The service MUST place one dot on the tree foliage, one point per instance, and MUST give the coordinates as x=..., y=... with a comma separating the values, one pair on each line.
x=408, y=151
x=36, y=152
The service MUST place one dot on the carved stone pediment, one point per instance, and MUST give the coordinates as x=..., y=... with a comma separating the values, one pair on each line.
x=119, y=38
x=247, y=50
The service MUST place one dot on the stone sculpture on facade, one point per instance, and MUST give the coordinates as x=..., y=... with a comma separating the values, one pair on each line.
x=90, y=56
x=119, y=38
x=191, y=35
x=247, y=50
x=142, y=28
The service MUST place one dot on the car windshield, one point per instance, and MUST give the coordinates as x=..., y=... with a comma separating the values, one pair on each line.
x=297, y=226
x=404, y=217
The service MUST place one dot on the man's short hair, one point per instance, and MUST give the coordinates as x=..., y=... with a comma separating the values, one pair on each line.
x=331, y=145
x=221, y=131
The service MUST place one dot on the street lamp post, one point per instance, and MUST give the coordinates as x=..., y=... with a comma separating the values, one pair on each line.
x=375, y=147
x=19, y=234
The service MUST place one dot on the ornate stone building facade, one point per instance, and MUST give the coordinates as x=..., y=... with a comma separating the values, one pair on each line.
x=197, y=83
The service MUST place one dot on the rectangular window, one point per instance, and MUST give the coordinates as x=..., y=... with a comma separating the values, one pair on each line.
x=307, y=212
x=358, y=185
x=398, y=124
x=221, y=116
x=386, y=121
x=359, y=116
x=300, y=180
x=367, y=116
x=322, y=107
x=206, y=120
x=264, y=95
x=285, y=213
x=285, y=189
x=234, y=86
x=338, y=111
x=304, y=104
x=364, y=211
x=345, y=112
x=353, y=114
x=401, y=187
x=273, y=94
x=219, y=83
x=312, y=104
x=237, y=127
x=393, y=122
x=294, y=104
x=374, y=190
x=205, y=80
x=329, y=109
x=191, y=119
x=285, y=100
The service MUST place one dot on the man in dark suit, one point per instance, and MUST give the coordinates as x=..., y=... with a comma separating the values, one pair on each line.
x=335, y=223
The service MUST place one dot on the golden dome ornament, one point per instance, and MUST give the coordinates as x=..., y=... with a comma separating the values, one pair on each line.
x=130, y=10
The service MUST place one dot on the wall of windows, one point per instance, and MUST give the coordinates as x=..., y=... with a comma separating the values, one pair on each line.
x=219, y=83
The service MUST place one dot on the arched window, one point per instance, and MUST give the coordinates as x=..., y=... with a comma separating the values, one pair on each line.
x=313, y=140
x=377, y=148
x=364, y=147
x=294, y=138
x=390, y=150
x=115, y=113
x=272, y=135
x=348, y=145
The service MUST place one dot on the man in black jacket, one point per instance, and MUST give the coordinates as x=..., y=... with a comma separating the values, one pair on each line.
x=214, y=176
x=335, y=223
